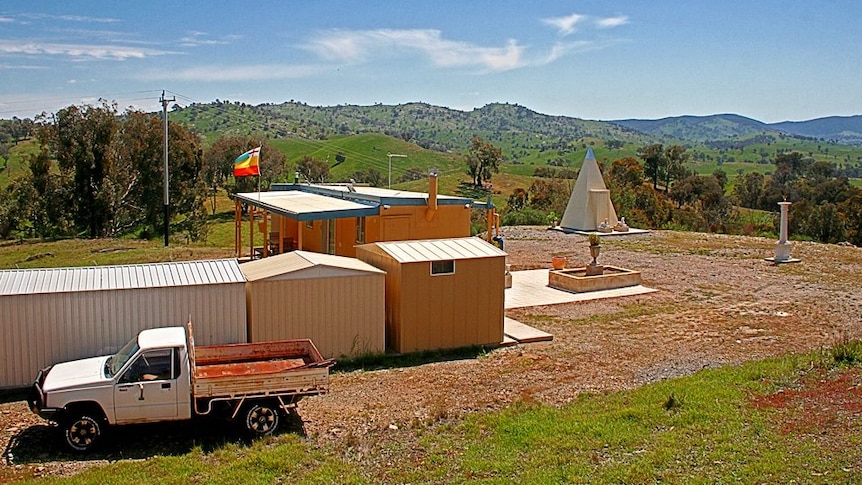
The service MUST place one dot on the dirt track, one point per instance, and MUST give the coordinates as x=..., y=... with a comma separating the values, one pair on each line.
x=718, y=303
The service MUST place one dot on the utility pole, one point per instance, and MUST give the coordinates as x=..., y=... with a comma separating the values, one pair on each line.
x=165, y=102
x=390, y=155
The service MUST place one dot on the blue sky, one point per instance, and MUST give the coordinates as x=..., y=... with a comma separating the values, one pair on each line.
x=769, y=60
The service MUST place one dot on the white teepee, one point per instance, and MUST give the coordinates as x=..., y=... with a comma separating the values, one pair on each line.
x=590, y=203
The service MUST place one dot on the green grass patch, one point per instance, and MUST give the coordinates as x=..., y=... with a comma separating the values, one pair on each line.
x=16, y=165
x=698, y=429
x=710, y=427
x=284, y=459
x=85, y=252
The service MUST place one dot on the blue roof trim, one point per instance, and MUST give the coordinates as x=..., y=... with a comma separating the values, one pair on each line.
x=366, y=198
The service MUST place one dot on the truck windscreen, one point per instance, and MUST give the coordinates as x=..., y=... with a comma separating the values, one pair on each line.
x=118, y=360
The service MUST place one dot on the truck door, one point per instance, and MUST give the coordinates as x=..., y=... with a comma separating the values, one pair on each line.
x=147, y=390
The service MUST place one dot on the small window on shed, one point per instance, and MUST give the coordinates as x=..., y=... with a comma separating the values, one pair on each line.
x=443, y=267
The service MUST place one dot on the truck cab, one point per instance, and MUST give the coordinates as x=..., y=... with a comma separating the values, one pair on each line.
x=147, y=380
x=161, y=375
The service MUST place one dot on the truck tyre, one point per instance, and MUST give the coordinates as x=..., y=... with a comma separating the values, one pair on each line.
x=82, y=433
x=262, y=419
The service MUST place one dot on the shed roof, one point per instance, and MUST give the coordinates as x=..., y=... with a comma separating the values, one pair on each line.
x=439, y=249
x=94, y=278
x=297, y=261
x=307, y=206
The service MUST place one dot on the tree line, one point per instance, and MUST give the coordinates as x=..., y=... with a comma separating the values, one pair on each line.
x=100, y=173
x=656, y=191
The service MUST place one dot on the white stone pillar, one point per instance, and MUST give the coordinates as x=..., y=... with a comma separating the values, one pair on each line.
x=782, y=238
x=782, y=247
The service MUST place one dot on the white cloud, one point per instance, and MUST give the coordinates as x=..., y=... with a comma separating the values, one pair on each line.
x=6, y=19
x=565, y=25
x=359, y=46
x=197, y=39
x=21, y=67
x=259, y=72
x=70, y=18
x=78, y=51
x=610, y=22
x=562, y=49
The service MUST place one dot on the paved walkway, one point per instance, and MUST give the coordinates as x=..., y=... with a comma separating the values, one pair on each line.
x=530, y=288
x=515, y=332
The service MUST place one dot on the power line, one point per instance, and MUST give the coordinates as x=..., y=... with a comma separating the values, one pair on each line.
x=74, y=99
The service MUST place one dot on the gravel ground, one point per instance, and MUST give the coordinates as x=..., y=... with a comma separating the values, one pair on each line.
x=719, y=303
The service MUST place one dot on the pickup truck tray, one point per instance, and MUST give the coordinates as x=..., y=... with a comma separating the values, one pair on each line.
x=237, y=369
x=265, y=368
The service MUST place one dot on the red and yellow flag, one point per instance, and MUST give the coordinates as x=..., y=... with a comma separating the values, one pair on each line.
x=247, y=163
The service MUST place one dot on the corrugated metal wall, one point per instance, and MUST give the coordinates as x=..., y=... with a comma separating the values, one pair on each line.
x=342, y=315
x=42, y=329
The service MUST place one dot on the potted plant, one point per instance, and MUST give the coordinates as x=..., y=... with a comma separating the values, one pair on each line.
x=559, y=262
x=595, y=246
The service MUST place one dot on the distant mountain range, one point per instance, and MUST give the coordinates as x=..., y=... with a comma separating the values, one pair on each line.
x=511, y=126
x=846, y=130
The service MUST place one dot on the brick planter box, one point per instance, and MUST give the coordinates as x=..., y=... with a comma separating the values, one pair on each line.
x=576, y=280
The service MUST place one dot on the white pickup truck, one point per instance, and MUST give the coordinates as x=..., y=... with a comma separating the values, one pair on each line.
x=161, y=376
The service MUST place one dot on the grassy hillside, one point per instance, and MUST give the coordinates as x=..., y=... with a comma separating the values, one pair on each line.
x=528, y=139
x=727, y=425
x=16, y=163
x=369, y=150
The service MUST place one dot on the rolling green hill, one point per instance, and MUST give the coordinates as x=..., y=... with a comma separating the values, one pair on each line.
x=528, y=139
x=697, y=128
x=369, y=150
x=433, y=136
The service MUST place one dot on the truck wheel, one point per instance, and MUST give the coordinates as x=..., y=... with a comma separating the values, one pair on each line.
x=82, y=433
x=262, y=419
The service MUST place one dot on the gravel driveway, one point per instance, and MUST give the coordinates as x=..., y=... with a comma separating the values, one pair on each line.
x=718, y=303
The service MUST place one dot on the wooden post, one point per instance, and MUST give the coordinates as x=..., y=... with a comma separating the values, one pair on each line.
x=265, y=234
x=251, y=231
x=237, y=229
x=299, y=235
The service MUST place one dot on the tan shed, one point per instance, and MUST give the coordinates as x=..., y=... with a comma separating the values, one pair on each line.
x=335, y=301
x=59, y=314
x=442, y=293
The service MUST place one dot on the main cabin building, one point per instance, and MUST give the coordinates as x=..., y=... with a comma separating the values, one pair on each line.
x=334, y=219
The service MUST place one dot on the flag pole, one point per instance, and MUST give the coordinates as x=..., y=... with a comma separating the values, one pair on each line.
x=258, y=172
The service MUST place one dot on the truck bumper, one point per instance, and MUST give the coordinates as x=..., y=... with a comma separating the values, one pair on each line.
x=47, y=413
x=36, y=398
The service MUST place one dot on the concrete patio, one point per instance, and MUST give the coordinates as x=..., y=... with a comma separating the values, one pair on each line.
x=530, y=288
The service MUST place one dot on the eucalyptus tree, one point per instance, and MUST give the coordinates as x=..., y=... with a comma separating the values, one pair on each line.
x=483, y=159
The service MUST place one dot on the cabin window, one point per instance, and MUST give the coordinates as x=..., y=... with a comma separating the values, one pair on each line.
x=443, y=267
x=360, y=230
x=309, y=224
x=153, y=365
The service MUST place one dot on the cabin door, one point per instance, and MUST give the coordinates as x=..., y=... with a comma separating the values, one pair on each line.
x=327, y=236
x=147, y=390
